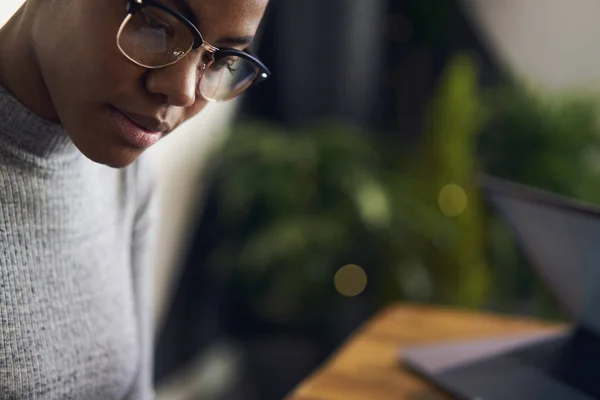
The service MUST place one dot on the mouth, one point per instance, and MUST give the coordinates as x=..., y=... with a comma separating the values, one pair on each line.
x=139, y=131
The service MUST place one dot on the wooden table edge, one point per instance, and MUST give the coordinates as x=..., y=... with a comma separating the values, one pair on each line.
x=514, y=324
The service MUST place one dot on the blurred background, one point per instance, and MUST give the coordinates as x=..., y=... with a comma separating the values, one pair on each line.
x=347, y=182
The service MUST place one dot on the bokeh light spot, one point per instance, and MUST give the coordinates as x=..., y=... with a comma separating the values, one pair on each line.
x=350, y=280
x=452, y=200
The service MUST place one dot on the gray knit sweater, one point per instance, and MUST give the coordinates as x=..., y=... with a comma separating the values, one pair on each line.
x=75, y=253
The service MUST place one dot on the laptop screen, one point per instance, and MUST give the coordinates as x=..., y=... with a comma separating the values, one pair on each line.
x=561, y=239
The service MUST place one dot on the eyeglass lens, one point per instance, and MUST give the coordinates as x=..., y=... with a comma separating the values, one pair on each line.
x=154, y=38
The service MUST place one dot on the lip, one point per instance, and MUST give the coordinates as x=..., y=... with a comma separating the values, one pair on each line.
x=150, y=124
x=139, y=131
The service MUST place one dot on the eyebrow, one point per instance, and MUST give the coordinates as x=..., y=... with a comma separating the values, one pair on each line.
x=232, y=41
x=187, y=10
x=236, y=41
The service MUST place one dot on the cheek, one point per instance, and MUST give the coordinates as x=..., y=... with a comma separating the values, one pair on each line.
x=110, y=72
x=87, y=57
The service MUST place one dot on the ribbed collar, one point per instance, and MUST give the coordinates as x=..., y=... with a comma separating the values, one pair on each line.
x=32, y=138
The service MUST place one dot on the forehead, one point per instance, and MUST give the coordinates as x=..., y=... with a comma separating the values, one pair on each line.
x=234, y=16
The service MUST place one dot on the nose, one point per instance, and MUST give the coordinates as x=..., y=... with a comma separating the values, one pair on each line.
x=177, y=83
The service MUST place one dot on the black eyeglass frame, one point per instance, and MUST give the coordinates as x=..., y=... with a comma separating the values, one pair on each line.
x=133, y=6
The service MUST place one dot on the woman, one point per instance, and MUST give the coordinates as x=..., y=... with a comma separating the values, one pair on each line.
x=85, y=87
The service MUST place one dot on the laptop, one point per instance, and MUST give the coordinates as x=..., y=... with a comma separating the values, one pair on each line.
x=561, y=239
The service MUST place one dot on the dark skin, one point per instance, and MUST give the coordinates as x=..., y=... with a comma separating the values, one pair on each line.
x=60, y=59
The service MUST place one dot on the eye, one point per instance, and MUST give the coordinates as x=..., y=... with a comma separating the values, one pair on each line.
x=157, y=22
x=226, y=62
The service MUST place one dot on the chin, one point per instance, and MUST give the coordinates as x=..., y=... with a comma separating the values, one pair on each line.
x=117, y=158
x=113, y=156
x=104, y=147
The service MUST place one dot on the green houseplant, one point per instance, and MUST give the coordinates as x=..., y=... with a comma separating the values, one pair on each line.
x=299, y=205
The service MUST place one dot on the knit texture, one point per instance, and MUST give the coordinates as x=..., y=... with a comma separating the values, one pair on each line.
x=75, y=257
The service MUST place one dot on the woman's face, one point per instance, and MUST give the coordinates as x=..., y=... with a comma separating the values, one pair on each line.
x=92, y=85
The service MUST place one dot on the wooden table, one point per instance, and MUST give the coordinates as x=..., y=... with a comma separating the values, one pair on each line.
x=367, y=367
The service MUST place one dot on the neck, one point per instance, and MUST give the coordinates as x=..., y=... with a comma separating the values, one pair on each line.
x=20, y=71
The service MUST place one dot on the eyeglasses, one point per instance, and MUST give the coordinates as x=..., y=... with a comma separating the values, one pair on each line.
x=154, y=36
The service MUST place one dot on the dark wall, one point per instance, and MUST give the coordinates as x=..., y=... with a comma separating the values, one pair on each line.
x=373, y=62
